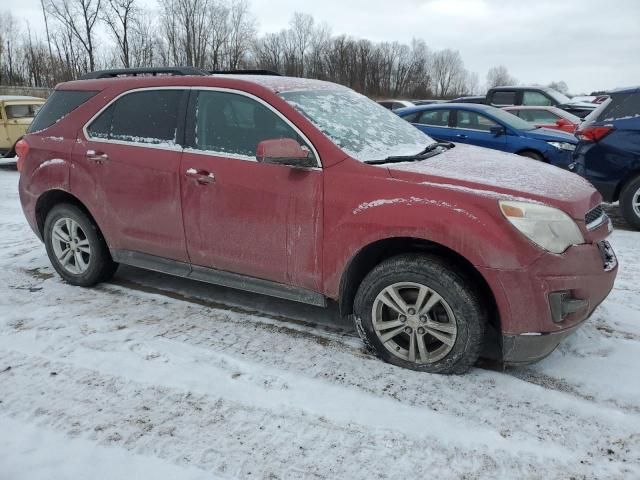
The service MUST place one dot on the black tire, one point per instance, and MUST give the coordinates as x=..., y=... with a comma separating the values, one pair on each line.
x=533, y=155
x=455, y=288
x=630, y=191
x=100, y=265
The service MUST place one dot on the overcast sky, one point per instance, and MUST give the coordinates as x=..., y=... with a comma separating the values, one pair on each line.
x=590, y=44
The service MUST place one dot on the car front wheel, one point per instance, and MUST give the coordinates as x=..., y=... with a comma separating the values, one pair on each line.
x=630, y=203
x=416, y=312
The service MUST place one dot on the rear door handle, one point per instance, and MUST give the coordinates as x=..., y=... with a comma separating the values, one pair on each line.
x=98, y=157
x=201, y=176
x=460, y=135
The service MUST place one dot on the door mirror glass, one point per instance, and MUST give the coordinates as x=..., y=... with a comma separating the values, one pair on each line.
x=497, y=130
x=285, y=151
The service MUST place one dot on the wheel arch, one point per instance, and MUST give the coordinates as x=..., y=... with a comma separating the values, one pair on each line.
x=533, y=150
x=50, y=199
x=629, y=177
x=374, y=253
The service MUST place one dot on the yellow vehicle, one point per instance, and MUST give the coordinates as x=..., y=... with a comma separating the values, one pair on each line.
x=16, y=113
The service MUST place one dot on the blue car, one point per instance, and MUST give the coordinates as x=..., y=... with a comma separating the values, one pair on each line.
x=608, y=154
x=490, y=127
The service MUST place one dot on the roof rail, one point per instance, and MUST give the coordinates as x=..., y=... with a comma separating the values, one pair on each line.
x=244, y=72
x=150, y=71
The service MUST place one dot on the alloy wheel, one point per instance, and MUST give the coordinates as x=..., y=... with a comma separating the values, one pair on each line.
x=414, y=322
x=71, y=246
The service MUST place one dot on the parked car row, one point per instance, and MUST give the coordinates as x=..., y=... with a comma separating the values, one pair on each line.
x=308, y=191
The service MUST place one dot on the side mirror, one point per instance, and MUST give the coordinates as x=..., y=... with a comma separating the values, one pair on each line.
x=285, y=151
x=497, y=130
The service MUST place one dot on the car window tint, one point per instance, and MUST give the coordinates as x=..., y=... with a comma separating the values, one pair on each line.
x=144, y=117
x=233, y=124
x=535, y=99
x=621, y=107
x=503, y=98
x=538, y=116
x=410, y=117
x=101, y=126
x=474, y=121
x=22, y=111
x=387, y=105
x=59, y=104
x=437, y=118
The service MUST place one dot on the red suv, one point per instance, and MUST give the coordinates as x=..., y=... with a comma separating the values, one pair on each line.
x=308, y=191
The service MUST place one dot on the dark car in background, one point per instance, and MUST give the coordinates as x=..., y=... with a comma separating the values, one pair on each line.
x=538, y=97
x=547, y=117
x=490, y=127
x=608, y=154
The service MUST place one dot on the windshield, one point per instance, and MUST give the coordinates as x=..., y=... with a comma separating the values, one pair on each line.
x=557, y=96
x=511, y=120
x=359, y=126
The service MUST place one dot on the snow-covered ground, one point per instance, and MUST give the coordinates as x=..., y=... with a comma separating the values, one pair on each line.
x=151, y=376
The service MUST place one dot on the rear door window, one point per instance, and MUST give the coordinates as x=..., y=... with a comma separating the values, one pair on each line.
x=622, y=106
x=503, y=98
x=148, y=117
x=536, y=99
x=59, y=104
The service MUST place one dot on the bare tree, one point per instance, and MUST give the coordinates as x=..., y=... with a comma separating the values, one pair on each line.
x=79, y=20
x=448, y=70
x=120, y=17
x=499, y=76
x=560, y=86
x=242, y=33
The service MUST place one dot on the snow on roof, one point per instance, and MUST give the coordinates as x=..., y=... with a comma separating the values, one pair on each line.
x=18, y=98
x=286, y=84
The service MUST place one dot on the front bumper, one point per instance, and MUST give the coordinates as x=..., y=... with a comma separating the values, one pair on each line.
x=573, y=283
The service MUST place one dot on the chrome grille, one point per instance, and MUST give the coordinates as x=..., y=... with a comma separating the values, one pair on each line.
x=595, y=217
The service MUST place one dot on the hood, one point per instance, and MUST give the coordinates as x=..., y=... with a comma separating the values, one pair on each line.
x=501, y=176
x=547, y=134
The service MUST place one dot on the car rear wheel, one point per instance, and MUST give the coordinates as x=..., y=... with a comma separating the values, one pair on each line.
x=533, y=155
x=414, y=311
x=630, y=203
x=76, y=248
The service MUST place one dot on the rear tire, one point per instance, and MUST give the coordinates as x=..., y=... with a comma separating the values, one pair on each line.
x=532, y=155
x=630, y=203
x=76, y=248
x=416, y=312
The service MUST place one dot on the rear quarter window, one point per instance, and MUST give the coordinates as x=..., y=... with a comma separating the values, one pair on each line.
x=59, y=104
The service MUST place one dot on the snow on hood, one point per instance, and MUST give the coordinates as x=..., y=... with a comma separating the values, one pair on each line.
x=501, y=175
x=551, y=135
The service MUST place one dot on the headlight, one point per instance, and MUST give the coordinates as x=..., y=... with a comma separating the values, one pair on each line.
x=563, y=146
x=547, y=227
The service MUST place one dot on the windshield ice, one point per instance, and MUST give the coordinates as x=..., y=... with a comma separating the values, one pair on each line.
x=359, y=126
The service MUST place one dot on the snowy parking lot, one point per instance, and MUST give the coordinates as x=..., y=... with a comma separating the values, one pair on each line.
x=151, y=376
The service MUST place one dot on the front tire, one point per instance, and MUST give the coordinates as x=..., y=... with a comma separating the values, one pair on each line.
x=76, y=248
x=532, y=155
x=416, y=311
x=630, y=203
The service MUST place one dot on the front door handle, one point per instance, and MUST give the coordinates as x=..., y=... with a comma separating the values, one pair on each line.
x=98, y=157
x=461, y=135
x=201, y=176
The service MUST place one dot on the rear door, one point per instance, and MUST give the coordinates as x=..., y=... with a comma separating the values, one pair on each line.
x=474, y=128
x=256, y=219
x=128, y=160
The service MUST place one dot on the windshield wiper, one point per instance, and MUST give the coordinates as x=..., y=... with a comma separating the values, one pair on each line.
x=432, y=150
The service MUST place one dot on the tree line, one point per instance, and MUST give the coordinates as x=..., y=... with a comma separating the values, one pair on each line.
x=85, y=35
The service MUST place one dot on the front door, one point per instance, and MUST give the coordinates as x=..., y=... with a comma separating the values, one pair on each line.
x=128, y=172
x=241, y=216
x=474, y=128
